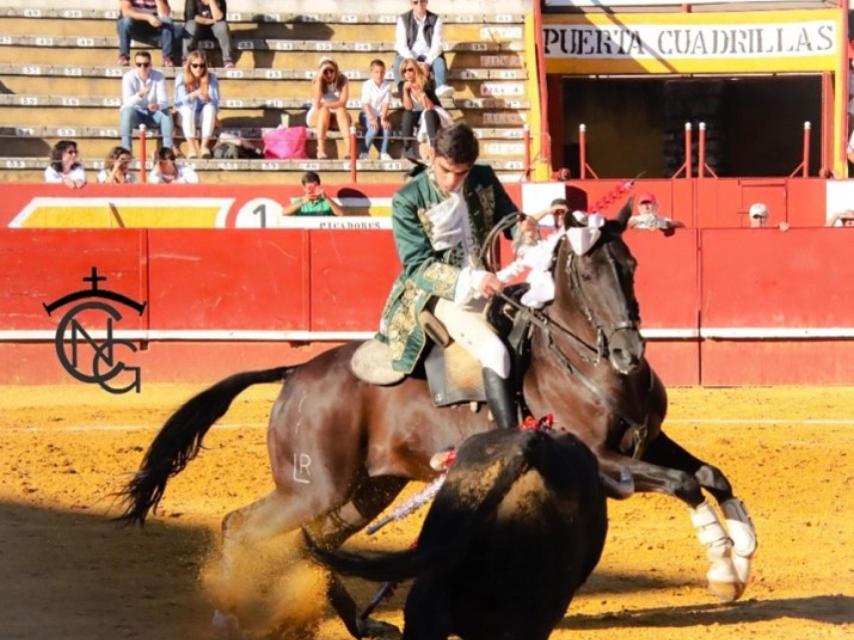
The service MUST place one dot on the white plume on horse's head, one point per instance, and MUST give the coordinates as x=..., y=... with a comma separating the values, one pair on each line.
x=583, y=238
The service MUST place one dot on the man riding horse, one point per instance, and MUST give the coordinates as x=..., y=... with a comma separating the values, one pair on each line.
x=441, y=220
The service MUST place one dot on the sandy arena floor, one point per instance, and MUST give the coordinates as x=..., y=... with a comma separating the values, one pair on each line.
x=68, y=572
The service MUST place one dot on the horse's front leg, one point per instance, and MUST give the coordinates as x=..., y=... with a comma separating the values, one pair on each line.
x=370, y=497
x=723, y=580
x=667, y=453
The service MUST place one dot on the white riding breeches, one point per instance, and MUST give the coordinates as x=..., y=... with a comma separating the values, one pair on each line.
x=468, y=326
x=190, y=119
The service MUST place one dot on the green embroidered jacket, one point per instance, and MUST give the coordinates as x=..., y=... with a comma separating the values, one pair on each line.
x=428, y=271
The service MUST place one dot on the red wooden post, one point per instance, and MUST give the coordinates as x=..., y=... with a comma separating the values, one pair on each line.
x=805, y=169
x=688, y=172
x=143, y=176
x=701, y=152
x=582, y=151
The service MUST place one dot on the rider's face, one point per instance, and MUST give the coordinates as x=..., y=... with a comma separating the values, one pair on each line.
x=449, y=176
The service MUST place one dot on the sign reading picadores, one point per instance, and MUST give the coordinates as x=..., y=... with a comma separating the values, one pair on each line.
x=85, y=341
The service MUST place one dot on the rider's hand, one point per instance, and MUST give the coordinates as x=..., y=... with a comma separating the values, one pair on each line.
x=489, y=285
x=528, y=225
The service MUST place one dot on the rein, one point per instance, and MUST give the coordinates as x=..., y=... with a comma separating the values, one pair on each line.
x=588, y=353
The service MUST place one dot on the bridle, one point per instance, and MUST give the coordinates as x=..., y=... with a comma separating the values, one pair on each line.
x=590, y=354
x=603, y=335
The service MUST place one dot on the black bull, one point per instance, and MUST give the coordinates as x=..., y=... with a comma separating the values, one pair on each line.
x=516, y=528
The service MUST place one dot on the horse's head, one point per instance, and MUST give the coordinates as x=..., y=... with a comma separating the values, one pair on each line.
x=597, y=284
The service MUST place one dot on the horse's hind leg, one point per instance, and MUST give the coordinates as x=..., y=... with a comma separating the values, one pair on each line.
x=667, y=453
x=233, y=578
x=371, y=496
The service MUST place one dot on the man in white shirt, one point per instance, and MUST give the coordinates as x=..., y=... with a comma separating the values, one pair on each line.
x=376, y=95
x=649, y=219
x=418, y=35
x=144, y=101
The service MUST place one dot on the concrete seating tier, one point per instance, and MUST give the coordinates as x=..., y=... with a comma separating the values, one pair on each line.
x=63, y=83
x=96, y=142
x=260, y=171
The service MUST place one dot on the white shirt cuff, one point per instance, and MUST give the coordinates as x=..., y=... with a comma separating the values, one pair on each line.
x=468, y=285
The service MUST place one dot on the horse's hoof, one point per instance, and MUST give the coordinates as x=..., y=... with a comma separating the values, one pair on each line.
x=370, y=628
x=226, y=626
x=726, y=591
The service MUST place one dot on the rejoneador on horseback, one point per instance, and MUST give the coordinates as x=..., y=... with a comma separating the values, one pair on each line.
x=342, y=445
x=441, y=220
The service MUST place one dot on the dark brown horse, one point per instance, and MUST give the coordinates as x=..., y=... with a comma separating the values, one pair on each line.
x=342, y=449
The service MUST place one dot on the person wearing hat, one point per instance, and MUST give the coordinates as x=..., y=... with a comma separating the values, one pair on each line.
x=758, y=215
x=649, y=219
x=330, y=92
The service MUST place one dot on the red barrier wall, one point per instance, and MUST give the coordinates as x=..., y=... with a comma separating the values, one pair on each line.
x=719, y=306
x=241, y=279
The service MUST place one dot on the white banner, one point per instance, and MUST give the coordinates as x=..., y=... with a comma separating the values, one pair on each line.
x=700, y=41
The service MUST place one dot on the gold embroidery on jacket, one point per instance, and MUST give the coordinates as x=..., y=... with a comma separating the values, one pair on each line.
x=442, y=277
x=403, y=320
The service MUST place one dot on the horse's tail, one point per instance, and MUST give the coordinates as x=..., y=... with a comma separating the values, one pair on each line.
x=180, y=439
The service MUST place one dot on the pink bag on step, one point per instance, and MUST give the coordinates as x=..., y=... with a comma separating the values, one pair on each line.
x=285, y=143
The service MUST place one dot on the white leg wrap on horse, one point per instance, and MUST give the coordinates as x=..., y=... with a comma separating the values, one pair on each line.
x=743, y=536
x=711, y=534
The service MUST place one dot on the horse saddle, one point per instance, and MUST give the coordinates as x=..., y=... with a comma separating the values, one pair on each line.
x=453, y=376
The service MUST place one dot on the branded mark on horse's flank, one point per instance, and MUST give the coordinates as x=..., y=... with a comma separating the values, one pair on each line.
x=102, y=349
x=302, y=461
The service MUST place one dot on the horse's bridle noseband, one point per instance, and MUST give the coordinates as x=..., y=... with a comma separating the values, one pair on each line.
x=603, y=336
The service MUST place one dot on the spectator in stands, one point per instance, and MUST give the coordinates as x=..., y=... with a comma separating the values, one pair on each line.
x=330, y=92
x=144, y=101
x=117, y=167
x=314, y=202
x=197, y=102
x=418, y=35
x=376, y=95
x=206, y=19
x=167, y=171
x=148, y=21
x=420, y=105
x=648, y=217
x=758, y=215
x=65, y=166
x=842, y=219
x=531, y=237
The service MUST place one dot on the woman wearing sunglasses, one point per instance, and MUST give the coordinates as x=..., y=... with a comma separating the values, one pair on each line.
x=65, y=167
x=197, y=101
x=421, y=106
x=330, y=92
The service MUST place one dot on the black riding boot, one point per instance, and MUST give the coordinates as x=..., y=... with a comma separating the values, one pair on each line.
x=500, y=398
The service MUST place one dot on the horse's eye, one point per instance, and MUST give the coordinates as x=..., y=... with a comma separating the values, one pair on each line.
x=587, y=277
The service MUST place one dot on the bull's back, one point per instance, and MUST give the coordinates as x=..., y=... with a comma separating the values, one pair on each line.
x=521, y=570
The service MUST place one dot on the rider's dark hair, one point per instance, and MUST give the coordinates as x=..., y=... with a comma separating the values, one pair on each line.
x=310, y=177
x=457, y=143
